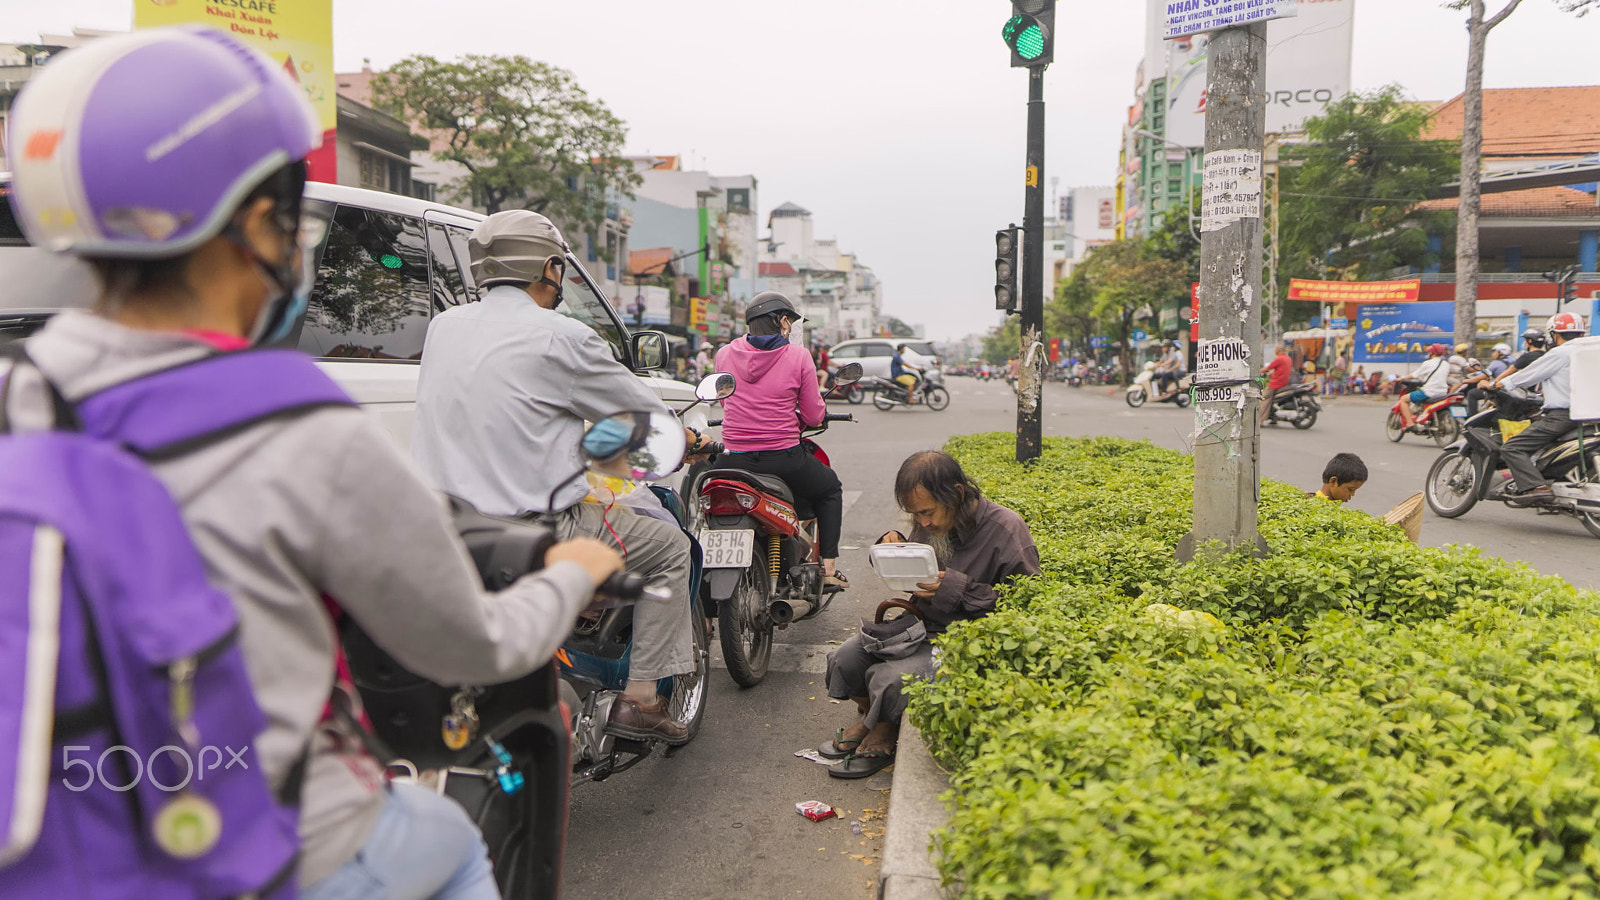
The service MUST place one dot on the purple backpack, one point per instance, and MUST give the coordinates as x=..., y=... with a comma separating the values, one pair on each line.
x=127, y=720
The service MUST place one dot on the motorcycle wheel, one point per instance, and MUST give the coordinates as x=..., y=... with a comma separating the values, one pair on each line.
x=1394, y=428
x=745, y=627
x=1444, y=429
x=855, y=395
x=882, y=402
x=1306, y=416
x=1135, y=398
x=1183, y=400
x=1452, y=485
x=687, y=701
x=937, y=399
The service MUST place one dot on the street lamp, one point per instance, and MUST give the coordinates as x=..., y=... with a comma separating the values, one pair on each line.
x=1188, y=189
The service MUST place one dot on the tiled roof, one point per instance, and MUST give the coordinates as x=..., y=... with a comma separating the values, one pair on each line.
x=653, y=261
x=776, y=268
x=1540, y=203
x=1554, y=121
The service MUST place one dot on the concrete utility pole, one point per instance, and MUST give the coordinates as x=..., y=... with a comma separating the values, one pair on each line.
x=1227, y=478
x=1030, y=376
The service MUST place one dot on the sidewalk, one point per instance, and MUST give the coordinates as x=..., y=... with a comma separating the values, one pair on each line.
x=915, y=813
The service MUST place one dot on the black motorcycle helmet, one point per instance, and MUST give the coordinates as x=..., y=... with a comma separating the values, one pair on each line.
x=767, y=303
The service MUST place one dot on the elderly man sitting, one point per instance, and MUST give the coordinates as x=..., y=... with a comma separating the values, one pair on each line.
x=979, y=545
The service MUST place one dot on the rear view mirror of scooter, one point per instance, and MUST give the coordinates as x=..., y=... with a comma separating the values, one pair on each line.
x=848, y=374
x=717, y=386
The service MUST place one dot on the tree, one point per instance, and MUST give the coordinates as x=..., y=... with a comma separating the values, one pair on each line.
x=527, y=134
x=1479, y=24
x=898, y=328
x=1125, y=276
x=1070, y=313
x=1352, y=195
x=1003, y=342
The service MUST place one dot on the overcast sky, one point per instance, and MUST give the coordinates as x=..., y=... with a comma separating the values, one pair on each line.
x=896, y=122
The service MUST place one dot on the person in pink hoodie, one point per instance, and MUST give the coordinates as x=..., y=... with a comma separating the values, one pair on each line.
x=761, y=422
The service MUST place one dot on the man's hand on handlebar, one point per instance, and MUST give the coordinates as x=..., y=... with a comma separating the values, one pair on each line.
x=596, y=558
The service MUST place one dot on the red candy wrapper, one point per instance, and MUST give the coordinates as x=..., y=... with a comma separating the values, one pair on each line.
x=815, y=810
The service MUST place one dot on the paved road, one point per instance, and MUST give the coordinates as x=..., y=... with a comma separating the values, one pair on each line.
x=717, y=819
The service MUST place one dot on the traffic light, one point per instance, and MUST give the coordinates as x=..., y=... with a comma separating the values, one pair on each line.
x=1005, y=269
x=1030, y=33
x=1569, y=289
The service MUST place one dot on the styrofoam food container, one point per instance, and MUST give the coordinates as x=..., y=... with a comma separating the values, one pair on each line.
x=904, y=566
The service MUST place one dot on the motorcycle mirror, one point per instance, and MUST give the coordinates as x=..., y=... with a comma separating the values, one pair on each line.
x=719, y=386
x=848, y=374
x=640, y=446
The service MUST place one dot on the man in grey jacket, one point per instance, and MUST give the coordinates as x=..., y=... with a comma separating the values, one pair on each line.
x=506, y=386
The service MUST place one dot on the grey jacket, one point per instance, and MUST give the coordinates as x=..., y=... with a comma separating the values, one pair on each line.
x=323, y=504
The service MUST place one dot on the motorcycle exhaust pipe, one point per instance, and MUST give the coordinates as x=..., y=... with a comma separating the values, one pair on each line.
x=785, y=611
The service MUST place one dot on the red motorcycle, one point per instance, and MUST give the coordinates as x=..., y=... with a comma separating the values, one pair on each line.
x=1440, y=419
x=763, y=563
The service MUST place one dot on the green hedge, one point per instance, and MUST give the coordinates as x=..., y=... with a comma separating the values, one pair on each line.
x=1375, y=718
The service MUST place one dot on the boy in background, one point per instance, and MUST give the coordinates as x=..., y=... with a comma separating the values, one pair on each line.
x=1342, y=477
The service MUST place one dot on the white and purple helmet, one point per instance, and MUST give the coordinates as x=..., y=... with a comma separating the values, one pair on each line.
x=143, y=145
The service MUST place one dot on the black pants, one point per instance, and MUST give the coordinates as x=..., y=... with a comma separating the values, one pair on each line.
x=1518, y=452
x=816, y=488
x=1474, y=400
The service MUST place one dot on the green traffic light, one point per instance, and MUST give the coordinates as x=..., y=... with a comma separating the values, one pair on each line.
x=1023, y=34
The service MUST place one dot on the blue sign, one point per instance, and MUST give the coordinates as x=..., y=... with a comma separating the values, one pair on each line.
x=1139, y=335
x=1338, y=323
x=1099, y=343
x=1401, y=332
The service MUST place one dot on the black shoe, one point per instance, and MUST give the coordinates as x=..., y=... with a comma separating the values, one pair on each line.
x=1537, y=496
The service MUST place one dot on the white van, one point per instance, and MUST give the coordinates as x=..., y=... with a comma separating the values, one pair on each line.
x=388, y=265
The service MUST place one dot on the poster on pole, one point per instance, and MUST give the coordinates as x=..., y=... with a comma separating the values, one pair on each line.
x=297, y=34
x=1187, y=17
x=1401, y=332
x=1231, y=191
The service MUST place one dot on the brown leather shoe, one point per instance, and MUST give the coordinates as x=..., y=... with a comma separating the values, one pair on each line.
x=1541, y=495
x=645, y=722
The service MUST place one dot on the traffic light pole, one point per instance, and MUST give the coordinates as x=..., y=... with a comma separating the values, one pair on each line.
x=1030, y=375
x=1227, y=450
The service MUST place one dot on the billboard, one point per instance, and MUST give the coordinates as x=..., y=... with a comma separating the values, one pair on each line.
x=297, y=34
x=1401, y=332
x=650, y=305
x=1308, y=67
x=1355, y=291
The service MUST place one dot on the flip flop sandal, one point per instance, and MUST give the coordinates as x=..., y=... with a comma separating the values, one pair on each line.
x=835, y=748
x=862, y=764
x=835, y=583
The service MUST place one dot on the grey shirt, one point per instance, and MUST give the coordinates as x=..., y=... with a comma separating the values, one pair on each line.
x=323, y=504
x=994, y=547
x=505, y=388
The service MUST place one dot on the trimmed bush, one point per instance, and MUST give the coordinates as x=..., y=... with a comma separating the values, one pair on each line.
x=1375, y=718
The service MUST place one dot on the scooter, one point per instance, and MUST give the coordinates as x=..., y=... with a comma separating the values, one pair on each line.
x=850, y=393
x=1440, y=419
x=887, y=394
x=1474, y=469
x=1297, y=404
x=1143, y=390
x=763, y=562
x=510, y=753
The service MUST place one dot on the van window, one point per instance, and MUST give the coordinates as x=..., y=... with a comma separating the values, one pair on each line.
x=851, y=352
x=921, y=348
x=371, y=300
x=877, y=350
x=448, y=289
x=579, y=301
x=459, y=238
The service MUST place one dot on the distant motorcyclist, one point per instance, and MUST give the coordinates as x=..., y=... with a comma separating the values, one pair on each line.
x=505, y=388
x=1535, y=341
x=904, y=371
x=761, y=423
x=1554, y=372
x=1474, y=383
x=1170, y=371
x=1435, y=377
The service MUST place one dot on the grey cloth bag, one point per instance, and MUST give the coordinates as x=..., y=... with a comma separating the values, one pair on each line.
x=897, y=638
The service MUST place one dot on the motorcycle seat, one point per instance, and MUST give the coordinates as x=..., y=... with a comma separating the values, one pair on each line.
x=772, y=484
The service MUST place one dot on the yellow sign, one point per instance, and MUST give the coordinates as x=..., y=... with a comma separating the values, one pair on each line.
x=298, y=34
x=1356, y=291
x=1033, y=176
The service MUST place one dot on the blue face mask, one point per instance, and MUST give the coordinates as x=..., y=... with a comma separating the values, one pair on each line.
x=278, y=317
x=606, y=438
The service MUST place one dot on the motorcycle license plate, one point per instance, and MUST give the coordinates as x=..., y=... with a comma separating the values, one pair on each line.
x=727, y=549
x=1459, y=412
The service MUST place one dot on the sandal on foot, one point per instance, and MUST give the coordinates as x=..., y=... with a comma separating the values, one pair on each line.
x=862, y=764
x=836, y=749
x=835, y=583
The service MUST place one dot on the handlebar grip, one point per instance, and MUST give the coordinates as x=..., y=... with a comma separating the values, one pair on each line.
x=714, y=448
x=714, y=423
x=838, y=417
x=625, y=586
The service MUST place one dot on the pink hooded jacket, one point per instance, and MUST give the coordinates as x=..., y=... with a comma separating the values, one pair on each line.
x=773, y=386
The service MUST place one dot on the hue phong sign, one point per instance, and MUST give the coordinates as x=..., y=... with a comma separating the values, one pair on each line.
x=297, y=34
x=1186, y=17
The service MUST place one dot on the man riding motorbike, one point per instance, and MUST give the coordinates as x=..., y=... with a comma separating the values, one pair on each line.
x=1554, y=372
x=761, y=423
x=293, y=510
x=1473, y=384
x=905, y=372
x=505, y=388
x=1170, y=371
x=1435, y=377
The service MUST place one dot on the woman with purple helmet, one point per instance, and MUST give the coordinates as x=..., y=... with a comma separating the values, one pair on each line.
x=172, y=161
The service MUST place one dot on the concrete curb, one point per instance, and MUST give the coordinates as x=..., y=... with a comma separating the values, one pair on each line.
x=915, y=813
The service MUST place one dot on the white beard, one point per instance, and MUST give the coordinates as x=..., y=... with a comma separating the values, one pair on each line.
x=942, y=546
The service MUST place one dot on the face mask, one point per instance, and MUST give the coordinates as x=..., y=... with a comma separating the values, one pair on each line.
x=293, y=281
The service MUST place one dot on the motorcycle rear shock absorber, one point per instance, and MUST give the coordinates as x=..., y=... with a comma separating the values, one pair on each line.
x=774, y=561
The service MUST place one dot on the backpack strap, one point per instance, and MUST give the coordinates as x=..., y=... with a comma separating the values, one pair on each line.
x=178, y=410
x=64, y=417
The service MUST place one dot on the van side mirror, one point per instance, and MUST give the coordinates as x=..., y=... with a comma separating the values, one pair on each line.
x=650, y=350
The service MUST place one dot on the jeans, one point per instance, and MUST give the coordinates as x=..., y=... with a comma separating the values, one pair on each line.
x=816, y=488
x=424, y=848
x=1518, y=452
x=663, y=644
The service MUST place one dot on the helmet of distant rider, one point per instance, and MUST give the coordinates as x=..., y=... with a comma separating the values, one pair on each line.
x=513, y=247
x=768, y=302
x=1535, y=337
x=1566, y=323
x=144, y=146
x=1502, y=348
x=1437, y=350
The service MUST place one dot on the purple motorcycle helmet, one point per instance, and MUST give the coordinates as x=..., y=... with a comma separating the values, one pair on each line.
x=144, y=145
